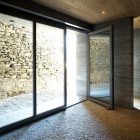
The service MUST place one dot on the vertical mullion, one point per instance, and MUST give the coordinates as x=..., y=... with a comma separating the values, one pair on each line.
x=110, y=53
x=112, y=66
x=65, y=69
x=34, y=68
x=87, y=65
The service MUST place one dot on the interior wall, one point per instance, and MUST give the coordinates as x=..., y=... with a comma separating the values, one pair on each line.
x=123, y=60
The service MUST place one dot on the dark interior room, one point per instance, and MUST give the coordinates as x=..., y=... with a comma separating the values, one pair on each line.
x=70, y=70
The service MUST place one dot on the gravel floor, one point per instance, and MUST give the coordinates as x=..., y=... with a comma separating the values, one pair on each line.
x=84, y=121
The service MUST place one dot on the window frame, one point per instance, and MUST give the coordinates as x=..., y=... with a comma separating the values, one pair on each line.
x=11, y=11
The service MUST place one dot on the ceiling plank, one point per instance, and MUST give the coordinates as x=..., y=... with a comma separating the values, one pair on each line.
x=91, y=10
x=37, y=9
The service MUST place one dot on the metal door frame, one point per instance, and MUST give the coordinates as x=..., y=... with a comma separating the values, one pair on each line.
x=111, y=105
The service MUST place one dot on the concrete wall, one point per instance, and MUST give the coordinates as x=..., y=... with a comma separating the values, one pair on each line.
x=123, y=60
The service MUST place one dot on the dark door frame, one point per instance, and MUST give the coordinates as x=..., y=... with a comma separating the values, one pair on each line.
x=111, y=105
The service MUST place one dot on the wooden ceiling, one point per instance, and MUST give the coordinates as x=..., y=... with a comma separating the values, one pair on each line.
x=91, y=11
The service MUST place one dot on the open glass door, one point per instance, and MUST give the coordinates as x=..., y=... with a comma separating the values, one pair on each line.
x=100, y=67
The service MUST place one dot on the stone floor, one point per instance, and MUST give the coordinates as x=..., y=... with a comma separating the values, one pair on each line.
x=84, y=121
x=20, y=107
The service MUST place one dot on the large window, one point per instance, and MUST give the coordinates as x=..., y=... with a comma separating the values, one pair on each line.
x=50, y=67
x=33, y=67
x=16, y=97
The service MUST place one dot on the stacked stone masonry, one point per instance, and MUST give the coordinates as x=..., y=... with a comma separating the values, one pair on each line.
x=99, y=60
x=16, y=61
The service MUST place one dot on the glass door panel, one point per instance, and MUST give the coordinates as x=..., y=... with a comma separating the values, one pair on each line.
x=76, y=66
x=49, y=67
x=100, y=68
x=16, y=97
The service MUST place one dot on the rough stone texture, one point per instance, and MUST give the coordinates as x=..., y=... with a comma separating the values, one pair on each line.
x=99, y=59
x=85, y=121
x=16, y=60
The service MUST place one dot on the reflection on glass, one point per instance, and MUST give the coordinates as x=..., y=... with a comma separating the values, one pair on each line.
x=136, y=97
x=15, y=69
x=50, y=67
x=100, y=66
x=76, y=67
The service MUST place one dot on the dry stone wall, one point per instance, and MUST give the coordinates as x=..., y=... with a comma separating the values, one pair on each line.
x=99, y=60
x=16, y=61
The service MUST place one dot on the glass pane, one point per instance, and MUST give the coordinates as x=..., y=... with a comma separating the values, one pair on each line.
x=76, y=67
x=16, y=101
x=50, y=67
x=100, y=66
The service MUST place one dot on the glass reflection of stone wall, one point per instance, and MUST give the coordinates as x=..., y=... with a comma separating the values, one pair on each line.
x=15, y=56
x=99, y=59
x=50, y=60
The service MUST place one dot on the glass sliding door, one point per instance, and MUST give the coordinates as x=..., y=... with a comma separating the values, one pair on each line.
x=49, y=67
x=76, y=66
x=16, y=97
x=100, y=67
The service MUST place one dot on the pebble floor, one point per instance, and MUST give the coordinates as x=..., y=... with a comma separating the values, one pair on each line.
x=84, y=121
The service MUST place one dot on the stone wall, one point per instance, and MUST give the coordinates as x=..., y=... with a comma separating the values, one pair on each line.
x=99, y=60
x=16, y=61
